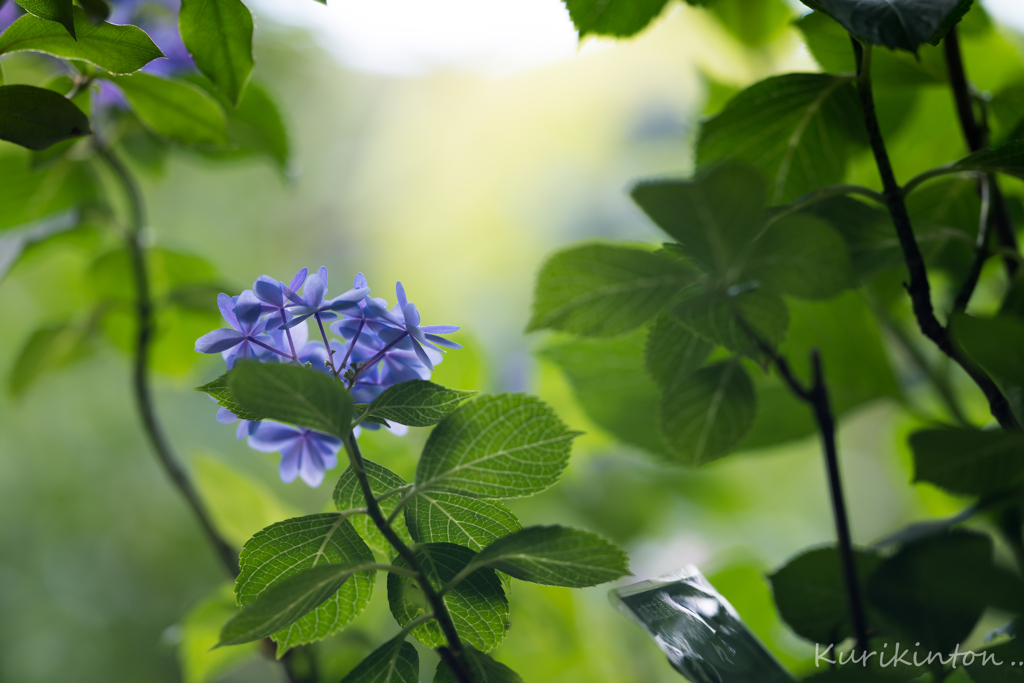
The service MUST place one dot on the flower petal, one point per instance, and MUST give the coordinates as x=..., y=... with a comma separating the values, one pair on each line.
x=440, y=329
x=422, y=354
x=313, y=291
x=359, y=281
x=311, y=466
x=322, y=274
x=441, y=341
x=226, y=417
x=290, y=460
x=227, y=309
x=271, y=437
x=268, y=290
x=296, y=283
x=400, y=292
x=219, y=340
x=248, y=310
x=412, y=316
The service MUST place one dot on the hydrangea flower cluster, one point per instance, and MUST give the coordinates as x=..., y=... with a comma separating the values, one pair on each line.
x=378, y=348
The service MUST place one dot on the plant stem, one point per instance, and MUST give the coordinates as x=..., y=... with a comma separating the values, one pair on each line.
x=821, y=194
x=963, y=297
x=977, y=137
x=452, y=655
x=918, y=287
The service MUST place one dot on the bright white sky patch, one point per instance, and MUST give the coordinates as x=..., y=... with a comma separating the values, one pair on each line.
x=491, y=37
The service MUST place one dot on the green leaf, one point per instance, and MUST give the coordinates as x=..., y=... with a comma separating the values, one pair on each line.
x=477, y=605
x=602, y=290
x=714, y=217
x=396, y=661
x=702, y=418
x=1007, y=108
x=437, y=517
x=752, y=22
x=496, y=446
x=481, y=667
x=799, y=130
x=200, y=629
x=220, y=390
x=117, y=49
x=416, y=403
x=50, y=348
x=802, y=256
x=60, y=11
x=294, y=395
x=810, y=593
x=218, y=35
x=1009, y=655
x=98, y=11
x=14, y=242
x=348, y=495
x=176, y=110
x=997, y=344
x=621, y=18
x=256, y=125
x=37, y=118
x=31, y=195
x=555, y=556
x=284, y=603
x=673, y=352
x=716, y=316
x=611, y=386
x=280, y=552
x=1007, y=159
x=896, y=24
x=968, y=461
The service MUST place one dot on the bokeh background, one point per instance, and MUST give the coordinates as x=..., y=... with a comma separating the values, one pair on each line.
x=449, y=145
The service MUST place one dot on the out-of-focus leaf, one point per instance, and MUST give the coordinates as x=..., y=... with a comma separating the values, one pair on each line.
x=48, y=349
x=60, y=11
x=218, y=35
x=802, y=256
x=609, y=382
x=176, y=110
x=294, y=395
x=896, y=24
x=1007, y=159
x=984, y=668
x=200, y=629
x=602, y=290
x=33, y=194
x=117, y=49
x=718, y=317
x=752, y=22
x=348, y=496
x=797, y=129
x=396, y=661
x=997, y=344
x=437, y=517
x=14, y=242
x=478, y=605
x=703, y=417
x=968, y=461
x=97, y=10
x=672, y=352
x=481, y=667
x=621, y=18
x=1007, y=108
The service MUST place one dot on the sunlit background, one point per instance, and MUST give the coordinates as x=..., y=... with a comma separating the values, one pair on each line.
x=450, y=144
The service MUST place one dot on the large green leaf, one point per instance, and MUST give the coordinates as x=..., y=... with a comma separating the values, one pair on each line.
x=555, y=556
x=752, y=22
x=714, y=217
x=292, y=394
x=1009, y=655
x=220, y=390
x=50, y=348
x=610, y=384
x=176, y=110
x=728, y=320
x=810, y=593
x=287, y=548
x=117, y=49
x=61, y=11
x=37, y=118
x=437, y=517
x=902, y=24
x=396, y=661
x=199, y=630
x=477, y=605
x=621, y=18
x=482, y=668
x=799, y=130
x=33, y=194
x=416, y=403
x=704, y=416
x=603, y=290
x=218, y=35
x=496, y=446
x=997, y=344
x=968, y=461
x=802, y=256
x=1007, y=159
x=673, y=352
x=288, y=601
x=348, y=495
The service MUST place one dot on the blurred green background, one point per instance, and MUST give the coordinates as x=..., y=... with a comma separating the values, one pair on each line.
x=458, y=183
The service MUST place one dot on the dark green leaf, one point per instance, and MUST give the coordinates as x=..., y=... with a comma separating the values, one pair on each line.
x=436, y=517
x=98, y=11
x=728, y=320
x=37, y=118
x=714, y=217
x=176, y=110
x=496, y=446
x=220, y=390
x=799, y=130
x=256, y=125
x=285, y=549
x=603, y=290
x=998, y=664
x=348, y=495
x=704, y=416
x=610, y=384
x=810, y=593
x=802, y=256
x=287, y=601
x=555, y=556
x=673, y=353
x=60, y=11
x=1007, y=108
x=621, y=18
x=997, y=344
x=968, y=461
x=481, y=667
x=49, y=348
x=292, y=394
x=396, y=661
x=218, y=35
x=117, y=49
x=896, y=24
x=417, y=403
x=1007, y=159
x=477, y=604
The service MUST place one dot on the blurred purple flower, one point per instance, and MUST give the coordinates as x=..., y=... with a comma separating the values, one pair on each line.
x=159, y=19
x=9, y=12
x=304, y=453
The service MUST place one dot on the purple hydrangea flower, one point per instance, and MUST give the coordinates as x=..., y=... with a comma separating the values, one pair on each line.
x=243, y=339
x=304, y=452
x=411, y=335
x=311, y=302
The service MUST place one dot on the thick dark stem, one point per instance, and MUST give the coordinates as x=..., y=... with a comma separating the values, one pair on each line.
x=453, y=654
x=918, y=288
x=976, y=136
